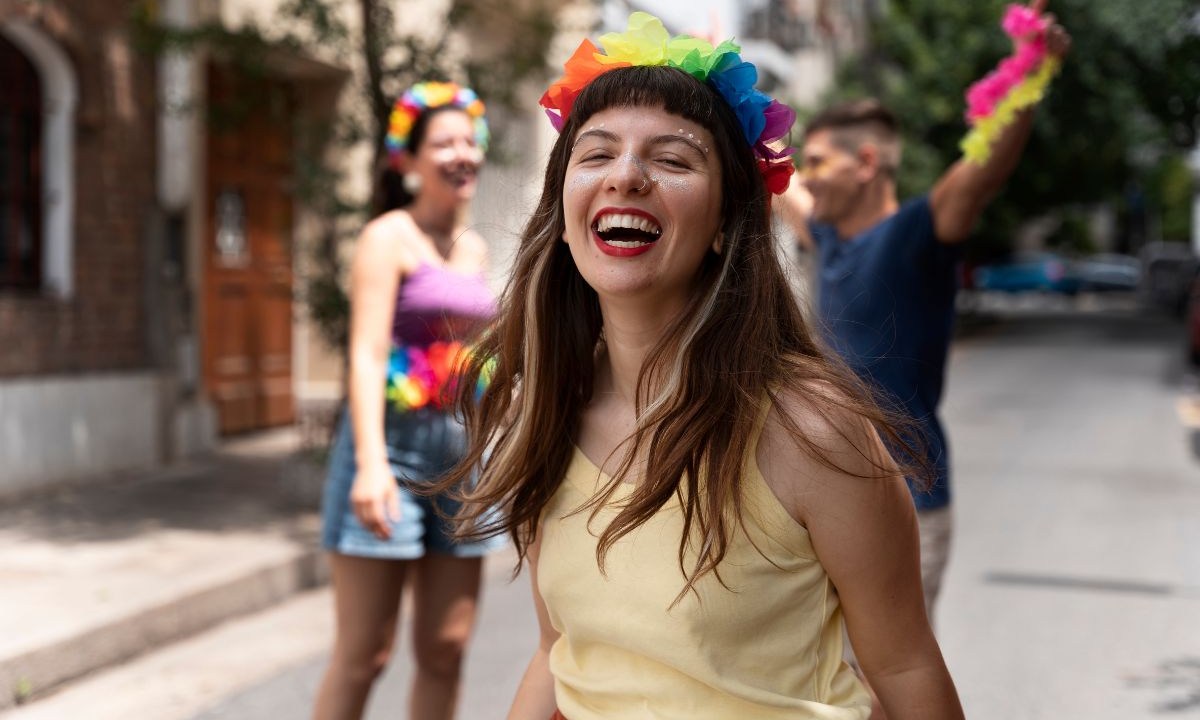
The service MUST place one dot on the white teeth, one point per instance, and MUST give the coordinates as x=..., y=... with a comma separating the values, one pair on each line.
x=629, y=222
x=625, y=243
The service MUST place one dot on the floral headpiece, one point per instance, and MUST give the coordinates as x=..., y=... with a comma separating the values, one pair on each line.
x=765, y=121
x=424, y=96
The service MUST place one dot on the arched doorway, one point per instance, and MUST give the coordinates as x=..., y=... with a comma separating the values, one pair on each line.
x=20, y=171
x=54, y=188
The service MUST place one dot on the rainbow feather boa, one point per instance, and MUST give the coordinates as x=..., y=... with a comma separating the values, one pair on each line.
x=1018, y=82
x=765, y=121
x=427, y=375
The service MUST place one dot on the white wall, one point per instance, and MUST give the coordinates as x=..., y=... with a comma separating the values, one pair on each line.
x=56, y=430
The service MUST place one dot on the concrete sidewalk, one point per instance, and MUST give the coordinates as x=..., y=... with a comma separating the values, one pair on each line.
x=95, y=575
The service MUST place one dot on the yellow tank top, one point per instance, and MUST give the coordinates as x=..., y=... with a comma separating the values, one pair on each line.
x=767, y=648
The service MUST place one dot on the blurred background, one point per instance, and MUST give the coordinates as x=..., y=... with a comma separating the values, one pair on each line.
x=181, y=182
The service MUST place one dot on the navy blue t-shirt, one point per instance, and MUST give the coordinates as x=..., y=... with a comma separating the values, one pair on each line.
x=886, y=305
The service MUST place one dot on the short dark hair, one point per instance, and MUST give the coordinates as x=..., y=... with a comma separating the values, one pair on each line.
x=853, y=114
x=852, y=123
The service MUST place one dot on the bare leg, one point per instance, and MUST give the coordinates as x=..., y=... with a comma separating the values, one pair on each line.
x=445, y=594
x=367, y=603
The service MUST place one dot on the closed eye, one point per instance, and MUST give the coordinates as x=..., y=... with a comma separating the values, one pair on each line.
x=675, y=162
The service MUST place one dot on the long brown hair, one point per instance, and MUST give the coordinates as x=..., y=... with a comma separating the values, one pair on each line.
x=739, y=339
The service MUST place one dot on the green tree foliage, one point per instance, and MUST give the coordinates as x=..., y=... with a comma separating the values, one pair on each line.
x=1128, y=94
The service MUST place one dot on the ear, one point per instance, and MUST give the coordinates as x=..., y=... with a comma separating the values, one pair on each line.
x=401, y=162
x=868, y=158
x=718, y=242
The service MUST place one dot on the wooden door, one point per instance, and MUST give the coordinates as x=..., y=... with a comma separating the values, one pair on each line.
x=247, y=254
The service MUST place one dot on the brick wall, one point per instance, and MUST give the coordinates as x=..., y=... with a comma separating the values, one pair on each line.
x=101, y=327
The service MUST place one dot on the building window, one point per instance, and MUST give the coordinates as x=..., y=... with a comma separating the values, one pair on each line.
x=20, y=171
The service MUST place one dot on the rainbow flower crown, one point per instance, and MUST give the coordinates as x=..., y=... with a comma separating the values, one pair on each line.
x=765, y=121
x=426, y=95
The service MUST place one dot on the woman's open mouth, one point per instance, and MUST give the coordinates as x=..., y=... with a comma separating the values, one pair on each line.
x=459, y=175
x=625, y=232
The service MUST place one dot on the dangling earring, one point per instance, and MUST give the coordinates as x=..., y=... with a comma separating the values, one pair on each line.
x=412, y=183
x=718, y=242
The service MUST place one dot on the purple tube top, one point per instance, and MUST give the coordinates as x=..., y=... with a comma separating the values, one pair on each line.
x=437, y=303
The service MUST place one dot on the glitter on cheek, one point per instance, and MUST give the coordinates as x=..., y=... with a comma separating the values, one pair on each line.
x=579, y=187
x=581, y=180
x=670, y=183
x=443, y=155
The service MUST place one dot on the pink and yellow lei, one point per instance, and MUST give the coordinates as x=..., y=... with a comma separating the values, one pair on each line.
x=1018, y=82
x=765, y=121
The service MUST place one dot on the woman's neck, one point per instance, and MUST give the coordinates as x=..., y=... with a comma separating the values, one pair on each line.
x=631, y=331
x=440, y=221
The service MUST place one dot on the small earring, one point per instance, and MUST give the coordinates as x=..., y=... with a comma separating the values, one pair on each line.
x=412, y=183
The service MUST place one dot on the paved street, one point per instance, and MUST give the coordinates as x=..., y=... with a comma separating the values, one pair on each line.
x=1074, y=590
x=1075, y=586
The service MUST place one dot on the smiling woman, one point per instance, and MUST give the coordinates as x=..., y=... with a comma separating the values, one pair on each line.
x=417, y=296
x=700, y=493
x=642, y=204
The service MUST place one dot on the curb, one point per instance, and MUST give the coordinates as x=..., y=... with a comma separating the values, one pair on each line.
x=27, y=676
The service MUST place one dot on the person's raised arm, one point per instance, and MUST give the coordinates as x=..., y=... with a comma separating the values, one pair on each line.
x=960, y=196
x=793, y=208
x=861, y=520
x=535, y=695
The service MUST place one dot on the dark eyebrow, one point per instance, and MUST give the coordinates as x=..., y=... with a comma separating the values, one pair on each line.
x=669, y=138
x=607, y=136
x=598, y=132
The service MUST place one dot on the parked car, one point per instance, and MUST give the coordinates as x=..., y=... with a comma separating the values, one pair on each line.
x=1169, y=270
x=1193, y=323
x=1043, y=271
x=1109, y=272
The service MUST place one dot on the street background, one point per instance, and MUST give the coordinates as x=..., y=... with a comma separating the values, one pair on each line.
x=181, y=186
x=1074, y=589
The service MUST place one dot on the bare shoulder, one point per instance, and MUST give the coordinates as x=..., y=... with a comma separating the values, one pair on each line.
x=386, y=241
x=472, y=248
x=815, y=442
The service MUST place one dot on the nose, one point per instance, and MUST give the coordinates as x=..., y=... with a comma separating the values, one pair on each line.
x=466, y=151
x=806, y=174
x=628, y=175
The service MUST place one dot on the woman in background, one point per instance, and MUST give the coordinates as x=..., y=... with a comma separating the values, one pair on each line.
x=417, y=293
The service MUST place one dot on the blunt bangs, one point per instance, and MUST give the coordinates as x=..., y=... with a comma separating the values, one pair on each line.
x=651, y=86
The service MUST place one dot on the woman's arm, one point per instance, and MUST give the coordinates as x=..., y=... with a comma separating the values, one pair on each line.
x=863, y=528
x=794, y=207
x=374, y=277
x=535, y=695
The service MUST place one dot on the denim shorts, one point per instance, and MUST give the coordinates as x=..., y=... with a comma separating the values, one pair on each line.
x=422, y=445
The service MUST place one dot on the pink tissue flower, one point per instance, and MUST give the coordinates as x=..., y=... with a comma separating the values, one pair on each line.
x=779, y=121
x=1021, y=21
